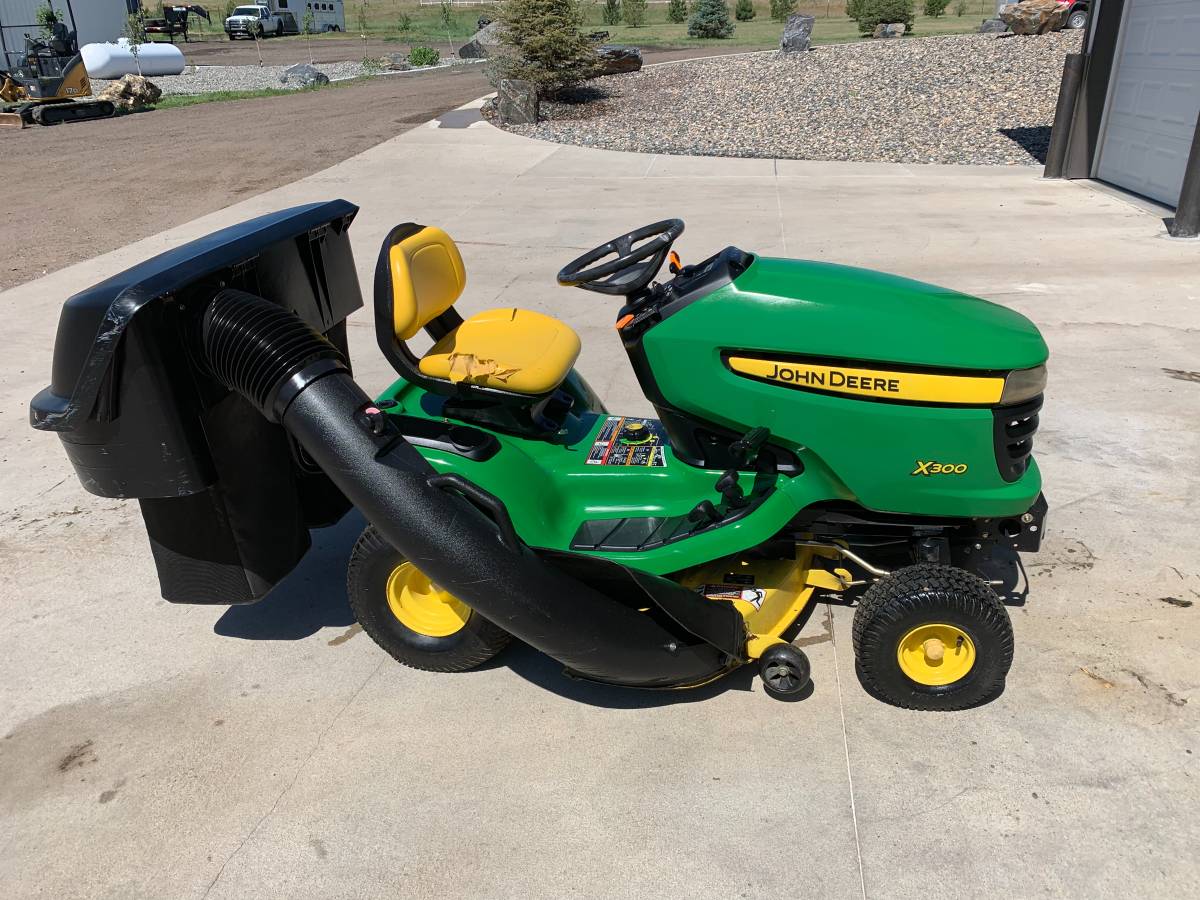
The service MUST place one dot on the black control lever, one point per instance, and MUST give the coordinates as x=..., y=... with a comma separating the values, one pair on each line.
x=745, y=449
x=729, y=488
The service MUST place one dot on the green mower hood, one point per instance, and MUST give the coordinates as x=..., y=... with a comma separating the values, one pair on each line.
x=848, y=313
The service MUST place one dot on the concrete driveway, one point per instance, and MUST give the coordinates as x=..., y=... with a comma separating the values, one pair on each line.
x=152, y=750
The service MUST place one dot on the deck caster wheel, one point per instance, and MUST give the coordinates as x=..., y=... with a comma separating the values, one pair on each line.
x=785, y=671
x=932, y=637
x=418, y=623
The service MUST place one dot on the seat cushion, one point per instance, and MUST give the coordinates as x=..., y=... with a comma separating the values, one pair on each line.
x=511, y=349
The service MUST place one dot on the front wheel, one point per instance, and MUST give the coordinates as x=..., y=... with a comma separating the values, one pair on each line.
x=1077, y=19
x=414, y=620
x=932, y=637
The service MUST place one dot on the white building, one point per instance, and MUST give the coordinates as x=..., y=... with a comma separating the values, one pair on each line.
x=92, y=20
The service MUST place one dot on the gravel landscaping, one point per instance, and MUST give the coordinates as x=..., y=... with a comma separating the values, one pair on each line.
x=211, y=79
x=971, y=99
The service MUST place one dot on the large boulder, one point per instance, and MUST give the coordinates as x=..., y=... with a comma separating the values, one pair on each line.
x=484, y=43
x=1034, y=16
x=889, y=30
x=797, y=33
x=303, y=75
x=517, y=102
x=131, y=92
x=615, y=59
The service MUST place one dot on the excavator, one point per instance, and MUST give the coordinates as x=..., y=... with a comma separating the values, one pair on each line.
x=47, y=84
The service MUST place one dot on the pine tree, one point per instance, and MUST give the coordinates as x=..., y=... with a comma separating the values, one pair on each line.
x=781, y=9
x=545, y=43
x=710, y=20
x=677, y=11
x=611, y=14
x=744, y=11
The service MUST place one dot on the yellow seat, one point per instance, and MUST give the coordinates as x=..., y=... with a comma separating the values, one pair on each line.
x=511, y=349
x=420, y=277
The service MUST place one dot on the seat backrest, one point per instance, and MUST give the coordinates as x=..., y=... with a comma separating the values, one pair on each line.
x=425, y=275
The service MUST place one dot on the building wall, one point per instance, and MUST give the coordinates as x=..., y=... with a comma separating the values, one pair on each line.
x=95, y=20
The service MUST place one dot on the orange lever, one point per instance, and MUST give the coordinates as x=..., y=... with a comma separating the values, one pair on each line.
x=674, y=263
x=624, y=320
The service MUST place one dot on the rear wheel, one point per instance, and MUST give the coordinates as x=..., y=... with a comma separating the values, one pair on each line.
x=414, y=620
x=932, y=637
x=1077, y=19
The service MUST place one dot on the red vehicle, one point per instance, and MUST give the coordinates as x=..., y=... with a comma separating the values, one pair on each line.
x=1077, y=12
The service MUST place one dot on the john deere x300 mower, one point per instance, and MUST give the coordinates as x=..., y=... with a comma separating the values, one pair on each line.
x=820, y=429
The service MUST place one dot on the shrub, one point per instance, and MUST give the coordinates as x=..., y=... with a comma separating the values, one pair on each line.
x=960, y=8
x=634, y=12
x=854, y=8
x=404, y=23
x=887, y=12
x=710, y=19
x=446, y=14
x=744, y=11
x=423, y=56
x=781, y=9
x=935, y=8
x=677, y=11
x=611, y=14
x=544, y=45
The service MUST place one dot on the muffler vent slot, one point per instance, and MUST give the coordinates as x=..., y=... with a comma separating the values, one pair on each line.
x=1013, y=434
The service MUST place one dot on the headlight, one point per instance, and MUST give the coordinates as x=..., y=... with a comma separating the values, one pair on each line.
x=1022, y=385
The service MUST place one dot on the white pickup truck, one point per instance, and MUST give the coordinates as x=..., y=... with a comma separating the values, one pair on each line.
x=259, y=21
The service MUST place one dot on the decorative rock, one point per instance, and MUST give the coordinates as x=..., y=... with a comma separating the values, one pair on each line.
x=484, y=43
x=993, y=26
x=597, y=37
x=892, y=30
x=797, y=33
x=517, y=102
x=615, y=59
x=482, y=22
x=303, y=75
x=131, y=92
x=397, y=62
x=1034, y=16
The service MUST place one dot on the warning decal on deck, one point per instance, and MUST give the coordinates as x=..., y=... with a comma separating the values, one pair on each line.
x=624, y=441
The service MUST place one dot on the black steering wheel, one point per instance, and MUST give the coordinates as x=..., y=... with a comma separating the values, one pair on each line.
x=634, y=266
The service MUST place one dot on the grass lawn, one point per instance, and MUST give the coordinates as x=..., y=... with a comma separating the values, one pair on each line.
x=408, y=22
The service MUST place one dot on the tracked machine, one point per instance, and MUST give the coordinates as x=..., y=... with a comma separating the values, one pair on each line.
x=47, y=84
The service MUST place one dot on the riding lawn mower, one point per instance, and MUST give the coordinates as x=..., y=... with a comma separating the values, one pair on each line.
x=821, y=431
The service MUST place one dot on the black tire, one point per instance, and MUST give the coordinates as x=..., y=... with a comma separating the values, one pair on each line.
x=1077, y=19
x=371, y=563
x=922, y=595
x=785, y=671
x=279, y=29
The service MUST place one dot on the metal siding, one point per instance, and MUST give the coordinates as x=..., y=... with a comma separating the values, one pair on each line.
x=1154, y=99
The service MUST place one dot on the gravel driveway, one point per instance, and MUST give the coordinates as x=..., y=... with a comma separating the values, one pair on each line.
x=961, y=99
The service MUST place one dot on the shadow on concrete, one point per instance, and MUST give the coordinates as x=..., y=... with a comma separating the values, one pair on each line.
x=546, y=673
x=1034, y=141
x=311, y=597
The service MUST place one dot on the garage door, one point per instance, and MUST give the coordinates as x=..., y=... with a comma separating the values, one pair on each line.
x=1154, y=99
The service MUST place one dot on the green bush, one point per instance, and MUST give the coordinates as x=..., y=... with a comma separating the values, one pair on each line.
x=423, y=56
x=935, y=8
x=744, y=11
x=404, y=23
x=854, y=8
x=634, y=12
x=781, y=9
x=884, y=12
x=710, y=20
x=543, y=45
x=611, y=14
x=677, y=11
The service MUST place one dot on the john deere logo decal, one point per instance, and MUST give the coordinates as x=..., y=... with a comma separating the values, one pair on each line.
x=920, y=387
x=929, y=467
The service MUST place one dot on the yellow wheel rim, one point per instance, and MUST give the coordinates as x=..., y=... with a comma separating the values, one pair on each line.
x=936, y=654
x=421, y=605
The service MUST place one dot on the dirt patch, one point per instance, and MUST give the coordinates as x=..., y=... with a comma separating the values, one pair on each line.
x=75, y=191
